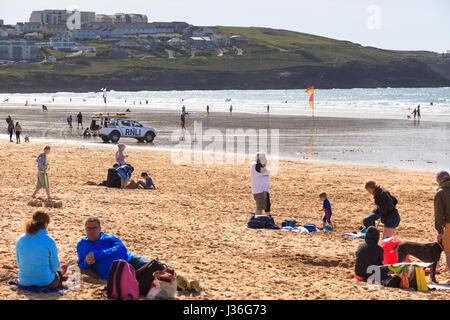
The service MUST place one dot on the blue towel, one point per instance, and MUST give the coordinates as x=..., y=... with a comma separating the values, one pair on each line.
x=37, y=290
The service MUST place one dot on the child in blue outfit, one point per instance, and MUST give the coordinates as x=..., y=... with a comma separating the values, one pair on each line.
x=148, y=184
x=327, y=209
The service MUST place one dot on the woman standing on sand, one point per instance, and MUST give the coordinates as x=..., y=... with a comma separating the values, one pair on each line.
x=385, y=210
x=37, y=255
x=18, y=130
x=10, y=130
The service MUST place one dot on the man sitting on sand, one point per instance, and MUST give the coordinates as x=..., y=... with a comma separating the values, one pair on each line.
x=99, y=250
x=42, y=177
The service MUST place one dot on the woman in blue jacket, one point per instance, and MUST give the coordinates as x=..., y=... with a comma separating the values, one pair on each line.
x=37, y=255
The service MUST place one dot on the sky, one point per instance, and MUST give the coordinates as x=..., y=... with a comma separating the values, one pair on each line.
x=386, y=24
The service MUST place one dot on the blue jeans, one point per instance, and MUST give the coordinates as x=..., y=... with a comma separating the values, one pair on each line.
x=137, y=261
x=392, y=222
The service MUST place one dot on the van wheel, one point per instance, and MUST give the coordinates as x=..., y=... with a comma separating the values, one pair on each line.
x=105, y=139
x=149, y=136
x=114, y=136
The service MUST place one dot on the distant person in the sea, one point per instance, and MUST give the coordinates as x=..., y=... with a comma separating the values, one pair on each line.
x=442, y=212
x=268, y=109
x=207, y=109
x=231, y=108
x=431, y=103
x=37, y=255
x=147, y=183
x=418, y=111
x=44, y=108
x=146, y=101
x=414, y=113
x=18, y=130
x=11, y=130
x=128, y=110
x=120, y=157
x=53, y=99
x=79, y=120
x=99, y=250
x=386, y=209
x=26, y=103
x=69, y=121
x=326, y=208
x=42, y=177
x=260, y=184
x=183, y=109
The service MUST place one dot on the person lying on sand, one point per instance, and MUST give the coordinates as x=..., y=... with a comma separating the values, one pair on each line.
x=98, y=250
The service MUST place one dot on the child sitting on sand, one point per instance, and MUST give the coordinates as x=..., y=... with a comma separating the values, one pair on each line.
x=327, y=209
x=148, y=184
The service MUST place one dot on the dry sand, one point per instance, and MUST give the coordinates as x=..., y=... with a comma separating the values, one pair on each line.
x=196, y=221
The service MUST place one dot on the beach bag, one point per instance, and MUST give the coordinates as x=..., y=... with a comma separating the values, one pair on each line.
x=164, y=285
x=260, y=221
x=122, y=283
x=310, y=227
x=144, y=275
x=390, y=257
x=113, y=179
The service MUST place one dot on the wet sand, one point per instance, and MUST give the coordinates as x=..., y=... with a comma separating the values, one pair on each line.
x=196, y=221
x=402, y=143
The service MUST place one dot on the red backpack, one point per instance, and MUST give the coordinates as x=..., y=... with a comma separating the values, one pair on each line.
x=122, y=283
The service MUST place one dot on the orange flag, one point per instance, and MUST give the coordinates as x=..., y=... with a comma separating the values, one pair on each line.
x=310, y=90
x=311, y=100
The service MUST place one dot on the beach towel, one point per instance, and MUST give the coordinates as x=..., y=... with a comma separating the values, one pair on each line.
x=37, y=290
x=356, y=235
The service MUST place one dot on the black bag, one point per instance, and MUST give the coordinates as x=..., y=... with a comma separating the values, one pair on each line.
x=392, y=282
x=260, y=221
x=145, y=277
x=113, y=179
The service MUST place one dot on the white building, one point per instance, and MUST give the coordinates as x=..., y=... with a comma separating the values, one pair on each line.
x=56, y=17
x=84, y=33
x=18, y=50
x=62, y=43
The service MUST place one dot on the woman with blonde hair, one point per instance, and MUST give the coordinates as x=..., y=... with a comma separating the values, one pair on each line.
x=37, y=255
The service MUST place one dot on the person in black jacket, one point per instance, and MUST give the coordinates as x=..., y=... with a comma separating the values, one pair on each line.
x=385, y=210
x=370, y=253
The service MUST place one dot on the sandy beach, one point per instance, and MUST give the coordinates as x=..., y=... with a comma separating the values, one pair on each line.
x=196, y=221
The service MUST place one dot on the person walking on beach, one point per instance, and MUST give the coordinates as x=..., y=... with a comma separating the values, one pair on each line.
x=260, y=184
x=120, y=157
x=79, y=120
x=386, y=210
x=11, y=130
x=18, y=130
x=42, y=177
x=37, y=255
x=442, y=212
x=69, y=121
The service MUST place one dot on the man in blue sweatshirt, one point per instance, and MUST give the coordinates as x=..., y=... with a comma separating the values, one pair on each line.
x=99, y=250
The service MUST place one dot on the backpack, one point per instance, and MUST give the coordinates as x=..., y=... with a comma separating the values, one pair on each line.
x=122, y=283
x=164, y=286
x=113, y=179
x=145, y=277
x=260, y=221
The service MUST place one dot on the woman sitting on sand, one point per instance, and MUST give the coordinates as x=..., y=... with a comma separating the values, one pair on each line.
x=37, y=255
x=385, y=210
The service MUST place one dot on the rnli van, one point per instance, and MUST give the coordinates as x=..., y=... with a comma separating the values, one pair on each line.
x=112, y=128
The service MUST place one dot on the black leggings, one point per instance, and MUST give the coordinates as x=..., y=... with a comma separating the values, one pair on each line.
x=18, y=136
x=10, y=135
x=267, y=209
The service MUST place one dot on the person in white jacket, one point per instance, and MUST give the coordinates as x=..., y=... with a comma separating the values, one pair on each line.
x=260, y=184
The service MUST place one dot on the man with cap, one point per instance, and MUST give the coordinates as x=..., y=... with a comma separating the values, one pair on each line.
x=442, y=211
x=260, y=184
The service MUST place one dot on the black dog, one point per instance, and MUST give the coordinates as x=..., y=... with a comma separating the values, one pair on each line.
x=428, y=252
